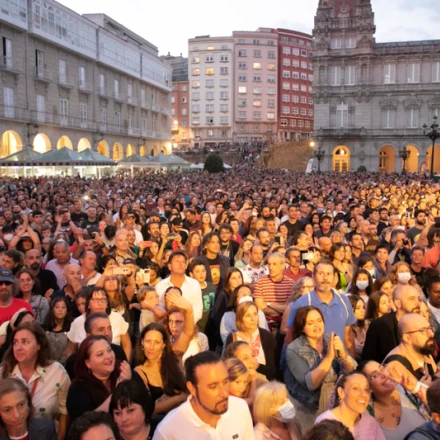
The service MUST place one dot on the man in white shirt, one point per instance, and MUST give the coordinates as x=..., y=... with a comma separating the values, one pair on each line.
x=253, y=271
x=433, y=289
x=177, y=264
x=209, y=413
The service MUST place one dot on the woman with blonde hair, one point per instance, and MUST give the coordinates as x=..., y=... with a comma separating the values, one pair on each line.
x=274, y=413
x=243, y=255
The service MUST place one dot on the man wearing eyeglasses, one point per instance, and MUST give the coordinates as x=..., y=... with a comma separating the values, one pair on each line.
x=8, y=304
x=417, y=345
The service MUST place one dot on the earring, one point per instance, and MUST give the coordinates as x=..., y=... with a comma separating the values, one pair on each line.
x=142, y=346
x=339, y=399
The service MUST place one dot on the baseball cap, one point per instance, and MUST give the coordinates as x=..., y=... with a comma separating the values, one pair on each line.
x=6, y=275
x=130, y=261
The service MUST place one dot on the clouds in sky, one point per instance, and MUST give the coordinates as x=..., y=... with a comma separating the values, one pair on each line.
x=169, y=24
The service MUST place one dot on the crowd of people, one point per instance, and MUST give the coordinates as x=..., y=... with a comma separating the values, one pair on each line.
x=250, y=304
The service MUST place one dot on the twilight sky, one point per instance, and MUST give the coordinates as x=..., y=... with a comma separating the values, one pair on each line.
x=169, y=24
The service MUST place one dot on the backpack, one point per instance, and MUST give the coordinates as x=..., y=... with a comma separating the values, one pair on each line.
x=425, y=431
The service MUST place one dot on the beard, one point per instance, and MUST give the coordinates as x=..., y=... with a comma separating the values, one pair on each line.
x=35, y=266
x=428, y=349
x=216, y=411
x=4, y=296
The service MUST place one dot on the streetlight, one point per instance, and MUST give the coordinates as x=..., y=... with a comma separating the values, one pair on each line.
x=319, y=154
x=433, y=134
x=404, y=154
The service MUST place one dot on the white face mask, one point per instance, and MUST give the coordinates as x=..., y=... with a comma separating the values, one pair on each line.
x=361, y=285
x=404, y=277
x=371, y=272
x=8, y=237
x=287, y=412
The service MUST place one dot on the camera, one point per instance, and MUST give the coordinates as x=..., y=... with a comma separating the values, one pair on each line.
x=405, y=242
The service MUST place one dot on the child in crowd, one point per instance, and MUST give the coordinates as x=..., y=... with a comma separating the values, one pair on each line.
x=151, y=311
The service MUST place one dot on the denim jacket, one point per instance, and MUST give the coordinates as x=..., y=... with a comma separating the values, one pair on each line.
x=302, y=358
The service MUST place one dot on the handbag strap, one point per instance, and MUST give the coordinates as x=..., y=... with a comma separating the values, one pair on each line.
x=34, y=387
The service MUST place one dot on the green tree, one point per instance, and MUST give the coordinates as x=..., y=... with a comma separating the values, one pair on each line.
x=214, y=163
x=362, y=169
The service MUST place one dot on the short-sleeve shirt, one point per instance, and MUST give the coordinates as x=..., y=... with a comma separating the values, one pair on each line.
x=337, y=314
x=271, y=291
x=6, y=313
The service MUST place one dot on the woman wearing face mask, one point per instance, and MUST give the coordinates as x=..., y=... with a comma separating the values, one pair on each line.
x=367, y=263
x=400, y=275
x=362, y=285
x=274, y=413
x=360, y=327
x=350, y=405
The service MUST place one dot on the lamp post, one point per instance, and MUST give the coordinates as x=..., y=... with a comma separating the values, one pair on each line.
x=404, y=154
x=433, y=134
x=319, y=154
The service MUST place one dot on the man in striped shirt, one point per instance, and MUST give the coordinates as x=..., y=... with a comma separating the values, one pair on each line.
x=272, y=291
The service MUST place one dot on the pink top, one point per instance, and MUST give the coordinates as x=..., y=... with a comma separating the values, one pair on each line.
x=431, y=257
x=366, y=429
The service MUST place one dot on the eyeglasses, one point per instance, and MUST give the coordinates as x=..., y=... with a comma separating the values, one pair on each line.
x=423, y=331
x=99, y=300
x=5, y=283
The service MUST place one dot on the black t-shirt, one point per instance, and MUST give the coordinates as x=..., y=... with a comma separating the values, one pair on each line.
x=78, y=218
x=292, y=228
x=214, y=266
x=47, y=280
x=229, y=250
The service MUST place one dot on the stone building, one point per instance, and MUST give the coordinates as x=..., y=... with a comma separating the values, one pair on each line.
x=371, y=99
x=81, y=82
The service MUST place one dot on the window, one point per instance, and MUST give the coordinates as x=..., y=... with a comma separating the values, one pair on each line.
x=62, y=71
x=286, y=86
x=7, y=52
x=257, y=42
x=257, y=91
x=256, y=128
x=295, y=75
x=295, y=52
x=173, y=111
x=283, y=123
x=303, y=112
x=304, y=76
x=224, y=58
x=184, y=123
x=271, y=67
x=284, y=39
x=195, y=96
x=256, y=115
x=342, y=115
x=210, y=133
x=224, y=70
x=242, y=102
x=295, y=111
x=242, y=53
x=311, y=113
x=82, y=77
x=209, y=96
x=223, y=119
x=413, y=72
x=271, y=103
x=196, y=72
x=295, y=99
x=293, y=123
x=242, y=115
x=300, y=123
x=224, y=107
x=224, y=83
x=184, y=112
x=39, y=63
x=335, y=75
x=184, y=88
x=286, y=74
x=256, y=103
x=388, y=118
x=350, y=42
x=436, y=72
x=196, y=60
x=195, y=108
x=64, y=111
x=304, y=53
x=184, y=100
x=310, y=101
x=242, y=65
x=256, y=66
x=295, y=87
x=209, y=83
x=286, y=110
x=209, y=108
x=413, y=118
x=210, y=48
x=209, y=59
x=286, y=98
x=184, y=135
x=286, y=62
x=209, y=71
x=271, y=91
x=41, y=108
x=271, y=55
x=209, y=120
x=196, y=84
x=270, y=43
x=311, y=78
x=130, y=93
x=83, y=114
x=116, y=88
x=257, y=77
x=303, y=64
x=336, y=43
x=118, y=120
x=271, y=78
x=295, y=63
x=303, y=100
x=242, y=90
x=270, y=115
x=350, y=75
x=286, y=50
x=242, y=77
x=257, y=53
x=195, y=120
x=224, y=95
x=389, y=73
x=103, y=117
x=307, y=124
x=240, y=41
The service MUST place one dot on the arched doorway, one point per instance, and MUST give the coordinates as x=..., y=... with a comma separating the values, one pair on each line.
x=41, y=143
x=412, y=163
x=83, y=144
x=142, y=150
x=341, y=159
x=11, y=143
x=130, y=150
x=155, y=150
x=64, y=141
x=117, y=151
x=436, y=159
x=387, y=159
x=103, y=148
x=164, y=150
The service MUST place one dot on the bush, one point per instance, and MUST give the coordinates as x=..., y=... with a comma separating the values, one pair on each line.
x=214, y=163
x=362, y=169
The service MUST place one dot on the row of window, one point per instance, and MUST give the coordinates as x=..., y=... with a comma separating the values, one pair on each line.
x=242, y=90
x=297, y=75
x=256, y=103
x=210, y=120
x=411, y=118
x=340, y=43
x=255, y=42
x=257, y=54
x=208, y=83
x=256, y=77
x=296, y=52
x=296, y=99
x=296, y=111
x=287, y=62
x=209, y=96
x=209, y=108
x=210, y=59
x=256, y=66
x=296, y=41
x=295, y=123
x=296, y=87
x=211, y=71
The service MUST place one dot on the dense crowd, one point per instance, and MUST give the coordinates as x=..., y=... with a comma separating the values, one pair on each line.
x=249, y=304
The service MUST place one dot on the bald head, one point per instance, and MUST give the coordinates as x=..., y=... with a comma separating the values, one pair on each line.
x=412, y=322
x=32, y=259
x=72, y=272
x=325, y=244
x=406, y=299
